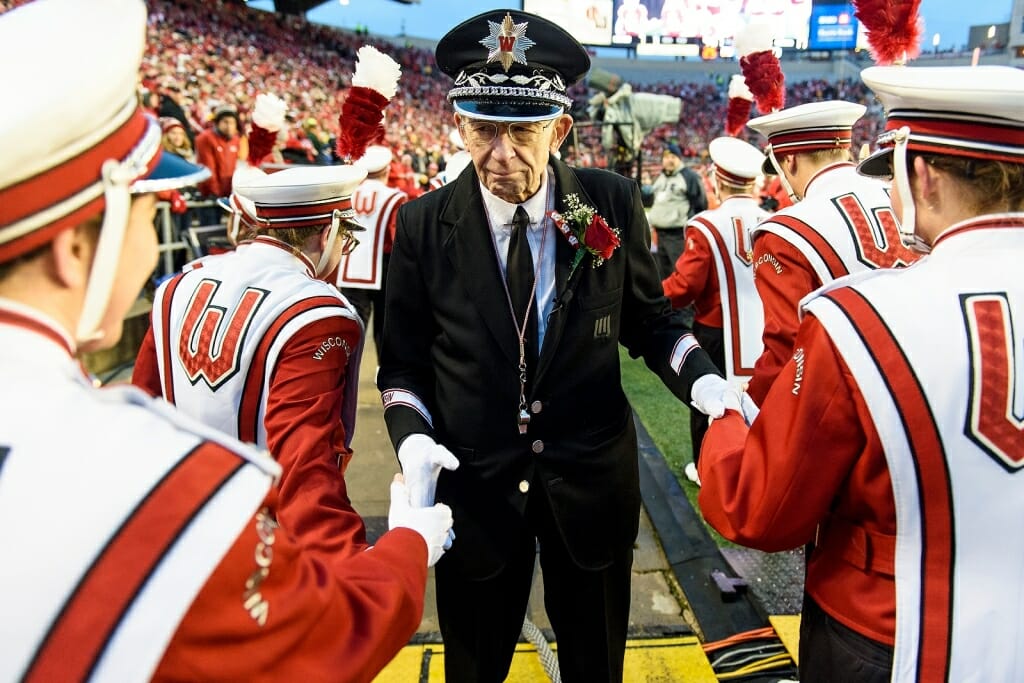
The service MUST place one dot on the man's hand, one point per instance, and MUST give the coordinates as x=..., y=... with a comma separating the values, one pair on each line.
x=422, y=459
x=712, y=395
x=433, y=524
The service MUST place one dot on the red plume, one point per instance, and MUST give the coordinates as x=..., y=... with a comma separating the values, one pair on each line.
x=764, y=77
x=361, y=122
x=261, y=143
x=894, y=29
x=267, y=120
x=736, y=115
x=374, y=83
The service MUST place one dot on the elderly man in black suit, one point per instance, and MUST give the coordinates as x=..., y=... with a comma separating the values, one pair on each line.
x=509, y=291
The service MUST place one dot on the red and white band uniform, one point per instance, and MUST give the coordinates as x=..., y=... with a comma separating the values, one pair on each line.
x=376, y=206
x=252, y=344
x=896, y=437
x=179, y=572
x=718, y=250
x=844, y=224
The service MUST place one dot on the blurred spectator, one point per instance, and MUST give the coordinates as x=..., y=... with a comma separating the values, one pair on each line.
x=217, y=148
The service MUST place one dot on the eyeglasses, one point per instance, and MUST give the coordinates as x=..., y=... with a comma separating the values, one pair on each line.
x=348, y=243
x=521, y=133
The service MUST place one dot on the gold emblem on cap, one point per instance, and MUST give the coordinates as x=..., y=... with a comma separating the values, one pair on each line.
x=507, y=42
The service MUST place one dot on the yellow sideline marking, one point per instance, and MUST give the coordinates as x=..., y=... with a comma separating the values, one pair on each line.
x=788, y=630
x=649, y=660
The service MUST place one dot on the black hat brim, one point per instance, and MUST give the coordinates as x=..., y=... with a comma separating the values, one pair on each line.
x=489, y=109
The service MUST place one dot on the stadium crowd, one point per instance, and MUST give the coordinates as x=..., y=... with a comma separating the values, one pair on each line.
x=202, y=55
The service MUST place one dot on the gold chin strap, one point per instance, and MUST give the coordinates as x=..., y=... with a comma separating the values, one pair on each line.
x=901, y=177
x=782, y=176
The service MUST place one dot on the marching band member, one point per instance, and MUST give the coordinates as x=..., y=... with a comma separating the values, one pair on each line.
x=842, y=223
x=714, y=274
x=362, y=275
x=140, y=544
x=893, y=435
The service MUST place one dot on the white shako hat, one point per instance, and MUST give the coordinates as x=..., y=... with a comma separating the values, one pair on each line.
x=963, y=111
x=807, y=128
x=76, y=142
x=375, y=159
x=301, y=197
x=737, y=163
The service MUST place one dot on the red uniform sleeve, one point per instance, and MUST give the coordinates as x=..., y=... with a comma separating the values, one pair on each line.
x=770, y=486
x=812, y=456
x=146, y=373
x=693, y=269
x=306, y=436
x=782, y=277
x=324, y=617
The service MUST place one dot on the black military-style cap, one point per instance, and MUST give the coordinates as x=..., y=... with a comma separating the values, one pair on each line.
x=511, y=65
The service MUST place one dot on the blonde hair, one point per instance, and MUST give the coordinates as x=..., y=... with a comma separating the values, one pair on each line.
x=987, y=186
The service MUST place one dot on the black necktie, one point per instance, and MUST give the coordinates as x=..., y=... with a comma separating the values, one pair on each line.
x=520, y=282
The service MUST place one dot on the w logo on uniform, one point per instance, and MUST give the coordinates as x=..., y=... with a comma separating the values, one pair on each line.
x=994, y=420
x=211, y=339
x=603, y=327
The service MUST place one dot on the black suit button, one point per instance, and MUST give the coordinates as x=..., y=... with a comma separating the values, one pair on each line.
x=537, y=446
x=536, y=407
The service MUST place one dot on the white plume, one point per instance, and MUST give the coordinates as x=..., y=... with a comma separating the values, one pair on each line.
x=268, y=113
x=757, y=36
x=738, y=88
x=377, y=71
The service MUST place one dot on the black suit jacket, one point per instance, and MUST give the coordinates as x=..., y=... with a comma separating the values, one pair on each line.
x=450, y=344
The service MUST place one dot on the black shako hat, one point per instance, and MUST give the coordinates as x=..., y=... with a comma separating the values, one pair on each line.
x=511, y=65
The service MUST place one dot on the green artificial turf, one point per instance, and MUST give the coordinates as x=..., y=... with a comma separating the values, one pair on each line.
x=667, y=421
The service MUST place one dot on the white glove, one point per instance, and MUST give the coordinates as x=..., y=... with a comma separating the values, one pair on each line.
x=712, y=395
x=433, y=524
x=422, y=459
x=750, y=409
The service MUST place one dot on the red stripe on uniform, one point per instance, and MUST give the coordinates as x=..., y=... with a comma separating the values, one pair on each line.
x=833, y=262
x=165, y=341
x=54, y=185
x=252, y=393
x=937, y=541
x=81, y=633
x=302, y=210
x=730, y=276
x=1002, y=221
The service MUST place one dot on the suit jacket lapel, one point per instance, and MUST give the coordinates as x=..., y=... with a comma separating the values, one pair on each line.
x=566, y=183
x=471, y=253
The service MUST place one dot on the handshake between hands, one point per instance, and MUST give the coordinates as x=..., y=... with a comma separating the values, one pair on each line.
x=412, y=494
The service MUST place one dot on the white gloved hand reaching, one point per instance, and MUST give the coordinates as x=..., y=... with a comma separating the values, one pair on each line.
x=713, y=395
x=433, y=524
x=422, y=459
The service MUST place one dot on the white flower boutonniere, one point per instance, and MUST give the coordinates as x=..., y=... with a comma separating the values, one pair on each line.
x=586, y=231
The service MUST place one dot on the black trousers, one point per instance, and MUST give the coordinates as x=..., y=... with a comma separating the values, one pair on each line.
x=370, y=303
x=833, y=653
x=589, y=610
x=670, y=248
x=712, y=340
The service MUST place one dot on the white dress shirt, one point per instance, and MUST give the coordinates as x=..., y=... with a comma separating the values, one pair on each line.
x=542, y=229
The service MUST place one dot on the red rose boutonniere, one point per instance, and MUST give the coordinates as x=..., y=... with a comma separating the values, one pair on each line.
x=586, y=231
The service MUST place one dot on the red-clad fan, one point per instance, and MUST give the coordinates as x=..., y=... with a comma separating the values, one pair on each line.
x=893, y=436
x=140, y=544
x=715, y=274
